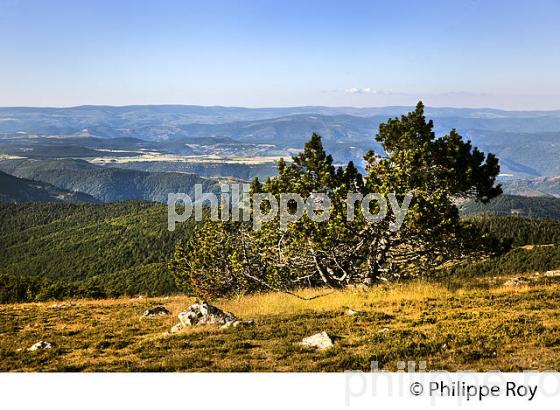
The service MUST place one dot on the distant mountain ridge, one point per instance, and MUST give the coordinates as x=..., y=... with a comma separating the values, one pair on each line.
x=105, y=118
x=526, y=142
x=542, y=186
x=107, y=184
x=16, y=190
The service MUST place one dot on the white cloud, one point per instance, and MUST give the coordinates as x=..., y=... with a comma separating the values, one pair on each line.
x=373, y=91
x=368, y=90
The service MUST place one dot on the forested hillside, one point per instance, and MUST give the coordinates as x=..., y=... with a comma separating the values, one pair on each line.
x=56, y=250
x=535, y=247
x=521, y=231
x=532, y=207
x=107, y=184
x=20, y=190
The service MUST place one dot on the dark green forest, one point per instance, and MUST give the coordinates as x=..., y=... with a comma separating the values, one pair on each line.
x=519, y=230
x=56, y=251
x=532, y=207
x=517, y=260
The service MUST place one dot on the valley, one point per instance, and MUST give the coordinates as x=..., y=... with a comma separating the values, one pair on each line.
x=525, y=141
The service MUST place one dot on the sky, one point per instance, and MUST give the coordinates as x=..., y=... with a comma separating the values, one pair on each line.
x=461, y=53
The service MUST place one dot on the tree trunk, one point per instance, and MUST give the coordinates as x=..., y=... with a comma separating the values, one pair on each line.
x=376, y=259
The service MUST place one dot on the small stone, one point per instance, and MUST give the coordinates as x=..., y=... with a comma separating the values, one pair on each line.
x=227, y=325
x=385, y=329
x=552, y=273
x=320, y=341
x=63, y=305
x=243, y=323
x=237, y=323
x=40, y=346
x=177, y=328
x=516, y=282
x=156, y=311
x=350, y=312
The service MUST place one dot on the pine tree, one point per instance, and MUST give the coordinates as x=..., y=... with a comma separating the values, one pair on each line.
x=227, y=258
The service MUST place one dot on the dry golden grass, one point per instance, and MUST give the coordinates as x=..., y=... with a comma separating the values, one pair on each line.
x=490, y=327
x=324, y=299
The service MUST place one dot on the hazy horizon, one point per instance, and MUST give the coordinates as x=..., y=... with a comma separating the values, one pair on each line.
x=271, y=107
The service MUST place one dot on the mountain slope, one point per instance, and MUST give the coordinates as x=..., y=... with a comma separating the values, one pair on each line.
x=542, y=186
x=114, y=249
x=107, y=184
x=50, y=250
x=533, y=207
x=19, y=190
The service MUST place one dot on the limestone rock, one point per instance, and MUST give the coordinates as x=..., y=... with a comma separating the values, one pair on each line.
x=320, y=341
x=350, y=312
x=237, y=323
x=516, y=282
x=156, y=311
x=63, y=305
x=40, y=346
x=205, y=314
x=178, y=327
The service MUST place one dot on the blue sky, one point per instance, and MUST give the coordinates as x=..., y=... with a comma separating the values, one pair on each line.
x=503, y=54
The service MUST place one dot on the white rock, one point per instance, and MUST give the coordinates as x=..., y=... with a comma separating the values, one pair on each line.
x=350, y=312
x=205, y=314
x=236, y=323
x=63, y=305
x=320, y=341
x=516, y=282
x=156, y=311
x=40, y=346
x=178, y=327
x=228, y=325
x=552, y=273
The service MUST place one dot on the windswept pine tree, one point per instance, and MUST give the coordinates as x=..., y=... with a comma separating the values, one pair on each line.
x=415, y=168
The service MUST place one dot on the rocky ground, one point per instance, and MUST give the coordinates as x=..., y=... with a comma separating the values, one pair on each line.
x=501, y=323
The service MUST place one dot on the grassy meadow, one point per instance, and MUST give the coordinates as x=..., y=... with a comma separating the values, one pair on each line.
x=488, y=326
